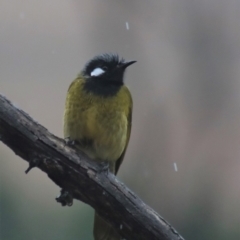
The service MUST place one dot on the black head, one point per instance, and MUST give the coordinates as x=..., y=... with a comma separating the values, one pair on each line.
x=107, y=67
x=104, y=74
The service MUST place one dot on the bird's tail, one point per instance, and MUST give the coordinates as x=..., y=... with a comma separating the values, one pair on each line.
x=103, y=231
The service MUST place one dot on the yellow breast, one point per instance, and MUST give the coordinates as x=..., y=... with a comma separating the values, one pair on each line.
x=103, y=121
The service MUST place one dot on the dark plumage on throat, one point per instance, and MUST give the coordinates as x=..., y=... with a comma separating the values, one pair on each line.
x=104, y=75
x=104, y=89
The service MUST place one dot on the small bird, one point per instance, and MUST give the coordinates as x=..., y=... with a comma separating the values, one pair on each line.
x=98, y=117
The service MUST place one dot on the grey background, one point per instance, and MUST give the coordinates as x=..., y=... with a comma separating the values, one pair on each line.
x=185, y=88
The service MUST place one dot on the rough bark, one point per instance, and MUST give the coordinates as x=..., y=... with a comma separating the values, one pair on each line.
x=81, y=177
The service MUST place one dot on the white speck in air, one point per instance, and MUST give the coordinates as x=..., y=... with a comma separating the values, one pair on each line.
x=175, y=167
x=121, y=226
x=127, y=26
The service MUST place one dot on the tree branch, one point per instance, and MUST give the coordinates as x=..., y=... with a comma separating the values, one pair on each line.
x=81, y=177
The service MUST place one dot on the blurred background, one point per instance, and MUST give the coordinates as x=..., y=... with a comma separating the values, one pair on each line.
x=184, y=153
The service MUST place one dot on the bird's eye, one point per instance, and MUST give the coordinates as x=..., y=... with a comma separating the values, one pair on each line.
x=105, y=68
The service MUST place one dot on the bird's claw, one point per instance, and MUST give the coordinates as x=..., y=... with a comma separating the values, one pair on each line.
x=104, y=167
x=69, y=141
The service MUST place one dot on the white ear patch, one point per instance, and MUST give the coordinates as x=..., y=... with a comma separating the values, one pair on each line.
x=97, y=72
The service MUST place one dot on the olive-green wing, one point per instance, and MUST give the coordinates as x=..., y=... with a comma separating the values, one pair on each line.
x=129, y=119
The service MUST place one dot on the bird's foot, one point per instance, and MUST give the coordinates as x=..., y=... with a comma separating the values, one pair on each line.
x=69, y=141
x=104, y=167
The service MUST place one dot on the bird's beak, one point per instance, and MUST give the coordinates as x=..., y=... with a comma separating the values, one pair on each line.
x=127, y=64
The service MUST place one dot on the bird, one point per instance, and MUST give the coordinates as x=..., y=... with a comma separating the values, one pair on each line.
x=98, y=119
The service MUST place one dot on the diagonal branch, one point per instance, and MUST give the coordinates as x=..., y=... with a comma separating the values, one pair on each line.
x=82, y=177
